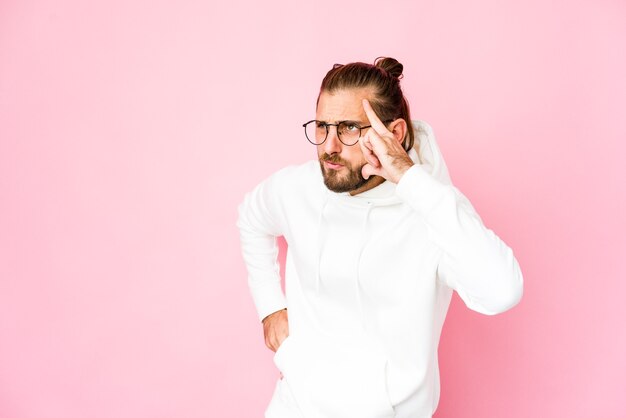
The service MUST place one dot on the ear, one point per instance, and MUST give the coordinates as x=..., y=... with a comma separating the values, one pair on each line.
x=399, y=129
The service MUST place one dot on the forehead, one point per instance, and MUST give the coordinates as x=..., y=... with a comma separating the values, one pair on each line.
x=342, y=105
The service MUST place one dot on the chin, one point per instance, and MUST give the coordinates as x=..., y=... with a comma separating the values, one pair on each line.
x=345, y=179
x=344, y=184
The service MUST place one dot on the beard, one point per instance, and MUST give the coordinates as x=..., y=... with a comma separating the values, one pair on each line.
x=337, y=180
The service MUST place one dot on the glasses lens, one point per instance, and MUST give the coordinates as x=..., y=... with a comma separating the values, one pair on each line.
x=315, y=132
x=349, y=133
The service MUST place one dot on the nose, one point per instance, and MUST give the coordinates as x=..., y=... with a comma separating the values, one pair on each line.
x=332, y=144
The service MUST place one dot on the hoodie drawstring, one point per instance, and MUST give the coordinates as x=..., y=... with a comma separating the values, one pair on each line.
x=357, y=282
x=320, y=239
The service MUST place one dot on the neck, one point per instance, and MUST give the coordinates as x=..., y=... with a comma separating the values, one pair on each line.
x=370, y=184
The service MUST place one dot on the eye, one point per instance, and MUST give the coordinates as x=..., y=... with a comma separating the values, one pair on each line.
x=349, y=128
x=319, y=124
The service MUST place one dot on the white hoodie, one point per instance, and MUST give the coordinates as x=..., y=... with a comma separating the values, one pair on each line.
x=368, y=283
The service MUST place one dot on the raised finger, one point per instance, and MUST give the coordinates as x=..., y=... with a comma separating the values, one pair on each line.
x=368, y=153
x=375, y=121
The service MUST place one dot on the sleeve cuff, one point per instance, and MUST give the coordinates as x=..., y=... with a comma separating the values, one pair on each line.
x=268, y=300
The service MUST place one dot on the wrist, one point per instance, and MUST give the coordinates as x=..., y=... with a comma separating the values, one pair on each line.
x=401, y=168
x=272, y=314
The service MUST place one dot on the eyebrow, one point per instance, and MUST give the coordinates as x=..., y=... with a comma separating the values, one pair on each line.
x=355, y=122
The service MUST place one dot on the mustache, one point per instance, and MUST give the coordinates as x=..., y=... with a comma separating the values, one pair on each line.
x=334, y=158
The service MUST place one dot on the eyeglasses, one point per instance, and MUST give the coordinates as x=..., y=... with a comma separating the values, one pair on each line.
x=348, y=132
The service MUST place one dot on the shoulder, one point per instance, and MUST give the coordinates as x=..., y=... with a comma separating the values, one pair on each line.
x=296, y=176
x=293, y=182
x=289, y=187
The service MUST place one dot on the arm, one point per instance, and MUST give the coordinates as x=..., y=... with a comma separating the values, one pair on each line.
x=259, y=227
x=474, y=262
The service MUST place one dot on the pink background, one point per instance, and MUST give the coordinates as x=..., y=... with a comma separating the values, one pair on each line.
x=130, y=131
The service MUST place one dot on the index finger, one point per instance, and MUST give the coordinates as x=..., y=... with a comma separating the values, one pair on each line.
x=375, y=121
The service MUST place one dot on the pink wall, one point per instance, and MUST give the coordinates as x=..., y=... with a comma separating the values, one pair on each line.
x=130, y=130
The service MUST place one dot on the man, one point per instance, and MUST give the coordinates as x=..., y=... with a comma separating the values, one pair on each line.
x=377, y=240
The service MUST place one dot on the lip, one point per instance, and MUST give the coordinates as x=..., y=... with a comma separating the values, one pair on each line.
x=332, y=166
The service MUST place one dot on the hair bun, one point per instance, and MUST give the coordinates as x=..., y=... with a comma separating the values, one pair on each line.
x=391, y=65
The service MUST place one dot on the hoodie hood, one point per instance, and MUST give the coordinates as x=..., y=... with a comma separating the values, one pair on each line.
x=428, y=152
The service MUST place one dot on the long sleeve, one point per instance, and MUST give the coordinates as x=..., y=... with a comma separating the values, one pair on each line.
x=259, y=225
x=475, y=261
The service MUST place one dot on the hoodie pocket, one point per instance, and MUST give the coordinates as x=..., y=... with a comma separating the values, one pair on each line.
x=329, y=379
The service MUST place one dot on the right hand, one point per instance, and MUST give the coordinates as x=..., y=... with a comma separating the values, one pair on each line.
x=275, y=329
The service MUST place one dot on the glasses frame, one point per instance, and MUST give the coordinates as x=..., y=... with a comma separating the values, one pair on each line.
x=336, y=125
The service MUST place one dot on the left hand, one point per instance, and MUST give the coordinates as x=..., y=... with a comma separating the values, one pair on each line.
x=382, y=150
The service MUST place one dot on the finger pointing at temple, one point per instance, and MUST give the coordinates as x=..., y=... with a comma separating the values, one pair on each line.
x=375, y=121
x=385, y=146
